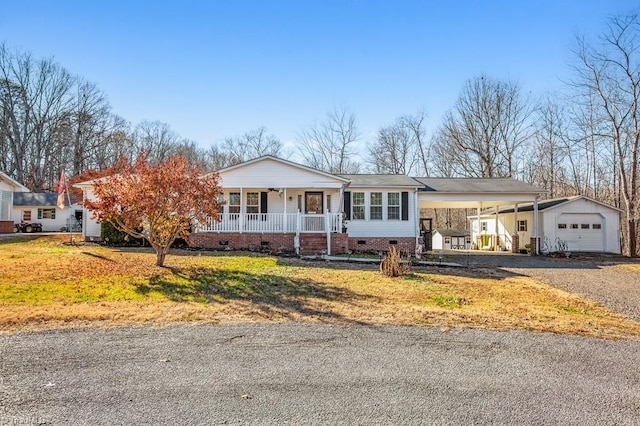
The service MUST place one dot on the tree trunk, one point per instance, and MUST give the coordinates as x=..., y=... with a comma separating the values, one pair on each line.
x=161, y=253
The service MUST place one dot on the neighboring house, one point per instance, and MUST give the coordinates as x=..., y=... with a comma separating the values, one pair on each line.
x=451, y=239
x=41, y=207
x=583, y=224
x=8, y=187
x=277, y=204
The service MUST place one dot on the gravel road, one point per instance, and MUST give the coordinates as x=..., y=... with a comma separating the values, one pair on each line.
x=316, y=374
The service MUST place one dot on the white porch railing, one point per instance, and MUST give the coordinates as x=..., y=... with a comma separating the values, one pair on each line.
x=273, y=223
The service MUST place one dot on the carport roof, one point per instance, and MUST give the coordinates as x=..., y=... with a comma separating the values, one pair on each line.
x=476, y=185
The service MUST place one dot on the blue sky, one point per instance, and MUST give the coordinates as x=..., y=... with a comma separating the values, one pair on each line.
x=213, y=69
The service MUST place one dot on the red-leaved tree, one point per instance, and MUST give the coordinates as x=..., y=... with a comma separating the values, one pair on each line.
x=156, y=202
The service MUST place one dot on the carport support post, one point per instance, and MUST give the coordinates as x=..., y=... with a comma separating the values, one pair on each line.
x=515, y=238
x=535, y=227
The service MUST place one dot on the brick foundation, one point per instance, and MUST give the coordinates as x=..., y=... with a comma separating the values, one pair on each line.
x=6, y=226
x=272, y=243
x=377, y=244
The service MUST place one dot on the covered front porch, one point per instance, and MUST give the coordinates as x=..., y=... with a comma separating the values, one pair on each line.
x=273, y=223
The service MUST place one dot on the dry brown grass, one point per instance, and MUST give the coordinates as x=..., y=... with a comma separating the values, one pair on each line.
x=632, y=267
x=46, y=285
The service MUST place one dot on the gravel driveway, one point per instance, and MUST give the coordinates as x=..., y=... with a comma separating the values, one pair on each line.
x=316, y=374
x=595, y=277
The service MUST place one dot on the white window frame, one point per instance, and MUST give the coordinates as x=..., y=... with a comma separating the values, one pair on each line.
x=361, y=208
x=377, y=213
x=394, y=211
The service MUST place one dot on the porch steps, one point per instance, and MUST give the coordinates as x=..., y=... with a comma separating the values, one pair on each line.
x=313, y=243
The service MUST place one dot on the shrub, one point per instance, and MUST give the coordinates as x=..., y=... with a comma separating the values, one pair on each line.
x=392, y=264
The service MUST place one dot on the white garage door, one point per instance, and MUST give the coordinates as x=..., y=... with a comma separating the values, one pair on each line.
x=582, y=232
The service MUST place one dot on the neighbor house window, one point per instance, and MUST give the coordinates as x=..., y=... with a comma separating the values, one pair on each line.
x=447, y=240
x=328, y=207
x=357, y=205
x=522, y=225
x=483, y=226
x=562, y=226
x=253, y=202
x=299, y=202
x=46, y=213
x=234, y=202
x=393, y=206
x=375, y=206
x=26, y=215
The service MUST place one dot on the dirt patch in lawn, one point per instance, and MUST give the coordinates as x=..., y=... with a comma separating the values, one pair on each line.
x=45, y=284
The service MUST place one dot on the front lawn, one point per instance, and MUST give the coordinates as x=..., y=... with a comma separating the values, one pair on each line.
x=45, y=285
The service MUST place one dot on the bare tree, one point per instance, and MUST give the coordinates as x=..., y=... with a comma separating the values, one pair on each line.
x=488, y=124
x=252, y=144
x=400, y=148
x=329, y=145
x=35, y=102
x=548, y=153
x=609, y=74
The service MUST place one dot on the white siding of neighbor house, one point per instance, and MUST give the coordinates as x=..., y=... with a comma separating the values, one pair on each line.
x=48, y=225
x=383, y=228
x=269, y=173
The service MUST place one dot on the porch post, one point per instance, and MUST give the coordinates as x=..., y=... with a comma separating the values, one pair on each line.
x=241, y=215
x=327, y=225
x=284, y=213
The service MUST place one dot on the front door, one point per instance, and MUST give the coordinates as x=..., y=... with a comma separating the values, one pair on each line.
x=313, y=202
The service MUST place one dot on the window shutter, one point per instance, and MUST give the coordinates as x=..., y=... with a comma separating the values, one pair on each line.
x=263, y=204
x=347, y=205
x=405, y=205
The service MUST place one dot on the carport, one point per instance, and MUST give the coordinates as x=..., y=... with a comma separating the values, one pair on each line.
x=479, y=194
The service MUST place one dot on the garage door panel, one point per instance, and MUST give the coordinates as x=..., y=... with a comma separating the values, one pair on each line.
x=583, y=232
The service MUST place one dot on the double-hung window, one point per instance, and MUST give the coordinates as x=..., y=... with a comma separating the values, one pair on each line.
x=393, y=206
x=234, y=202
x=253, y=202
x=375, y=206
x=357, y=206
